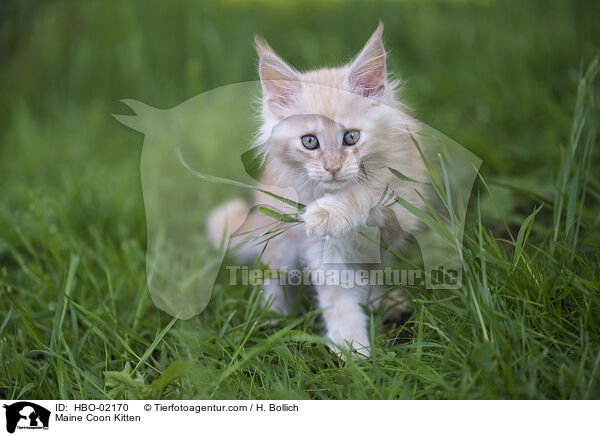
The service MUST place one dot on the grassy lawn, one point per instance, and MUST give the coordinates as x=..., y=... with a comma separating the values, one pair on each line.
x=513, y=82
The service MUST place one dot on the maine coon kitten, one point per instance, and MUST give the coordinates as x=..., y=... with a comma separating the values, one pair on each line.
x=329, y=135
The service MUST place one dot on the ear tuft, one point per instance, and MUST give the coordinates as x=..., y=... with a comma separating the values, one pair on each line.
x=367, y=75
x=261, y=46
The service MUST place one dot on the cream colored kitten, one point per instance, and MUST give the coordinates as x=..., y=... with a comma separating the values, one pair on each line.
x=327, y=138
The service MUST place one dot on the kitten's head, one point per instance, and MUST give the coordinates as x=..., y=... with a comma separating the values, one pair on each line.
x=326, y=127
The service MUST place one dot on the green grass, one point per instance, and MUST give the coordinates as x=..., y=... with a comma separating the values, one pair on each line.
x=514, y=83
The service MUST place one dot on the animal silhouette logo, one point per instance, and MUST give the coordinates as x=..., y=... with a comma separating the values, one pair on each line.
x=26, y=415
x=195, y=157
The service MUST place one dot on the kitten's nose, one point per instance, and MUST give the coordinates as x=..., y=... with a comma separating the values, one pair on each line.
x=332, y=169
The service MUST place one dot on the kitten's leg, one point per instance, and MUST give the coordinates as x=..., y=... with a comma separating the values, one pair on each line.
x=277, y=299
x=280, y=255
x=277, y=254
x=344, y=317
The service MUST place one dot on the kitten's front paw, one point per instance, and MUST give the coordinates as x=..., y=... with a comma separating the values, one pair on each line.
x=355, y=346
x=321, y=220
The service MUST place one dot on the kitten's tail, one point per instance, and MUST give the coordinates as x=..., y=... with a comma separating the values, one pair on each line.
x=224, y=220
x=233, y=218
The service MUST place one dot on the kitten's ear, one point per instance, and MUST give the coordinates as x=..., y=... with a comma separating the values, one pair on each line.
x=367, y=75
x=280, y=82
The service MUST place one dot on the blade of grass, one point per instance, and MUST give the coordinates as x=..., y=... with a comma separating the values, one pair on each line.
x=153, y=345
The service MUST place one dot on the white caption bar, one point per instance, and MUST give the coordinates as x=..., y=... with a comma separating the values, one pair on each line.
x=148, y=417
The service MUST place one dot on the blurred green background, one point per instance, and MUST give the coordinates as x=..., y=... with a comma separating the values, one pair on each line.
x=498, y=77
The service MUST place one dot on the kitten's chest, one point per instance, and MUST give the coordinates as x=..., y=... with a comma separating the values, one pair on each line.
x=355, y=247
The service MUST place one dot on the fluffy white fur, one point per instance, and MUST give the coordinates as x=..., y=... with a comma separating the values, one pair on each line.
x=341, y=185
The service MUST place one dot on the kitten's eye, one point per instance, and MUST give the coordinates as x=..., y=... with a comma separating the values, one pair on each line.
x=310, y=142
x=352, y=137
